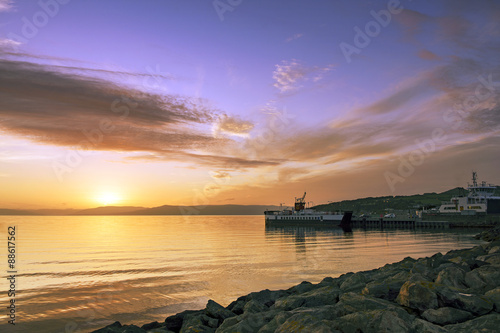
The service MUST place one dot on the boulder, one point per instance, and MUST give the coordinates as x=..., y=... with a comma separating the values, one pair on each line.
x=420, y=325
x=152, y=325
x=452, y=276
x=303, y=287
x=237, y=306
x=483, y=278
x=306, y=322
x=248, y=322
x=487, y=323
x=355, y=282
x=489, y=235
x=419, y=295
x=268, y=297
x=388, y=288
x=254, y=306
x=494, y=249
x=112, y=328
x=446, y=315
x=275, y=322
x=159, y=330
x=328, y=295
x=132, y=329
x=217, y=311
x=174, y=323
x=382, y=320
x=198, y=323
x=289, y=303
x=352, y=302
x=328, y=281
x=494, y=297
x=477, y=305
x=493, y=259
x=422, y=270
x=116, y=327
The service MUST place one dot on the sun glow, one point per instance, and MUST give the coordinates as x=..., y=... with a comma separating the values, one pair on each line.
x=108, y=198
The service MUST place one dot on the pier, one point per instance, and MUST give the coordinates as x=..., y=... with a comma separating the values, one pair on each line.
x=397, y=223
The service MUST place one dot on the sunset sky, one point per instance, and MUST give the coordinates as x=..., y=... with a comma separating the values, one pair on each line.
x=148, y=103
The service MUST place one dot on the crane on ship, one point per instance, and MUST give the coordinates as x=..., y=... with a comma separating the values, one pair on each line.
x=300, y=203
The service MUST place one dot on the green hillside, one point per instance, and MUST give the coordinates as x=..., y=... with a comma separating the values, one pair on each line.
x=379, y=205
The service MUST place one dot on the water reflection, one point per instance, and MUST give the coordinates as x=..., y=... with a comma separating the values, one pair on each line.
x=303, y=235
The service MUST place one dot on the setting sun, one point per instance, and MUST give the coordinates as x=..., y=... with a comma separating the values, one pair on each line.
x=108, y=198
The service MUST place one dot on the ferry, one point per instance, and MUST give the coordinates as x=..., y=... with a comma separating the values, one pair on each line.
x=480, y=199
x=300, y=216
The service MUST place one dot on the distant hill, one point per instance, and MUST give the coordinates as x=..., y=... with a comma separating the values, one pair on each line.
x=161, y=210
x=55, y=211
x=4, y=211
x=378, y=205
x=108, y=210
x=208, y=210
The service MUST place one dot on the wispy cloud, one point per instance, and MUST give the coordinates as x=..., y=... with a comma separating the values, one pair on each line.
x=289, y=75
x=6, y=44
x=73, y=110
x=6, y=5
x=294, y=37
x=232, y=125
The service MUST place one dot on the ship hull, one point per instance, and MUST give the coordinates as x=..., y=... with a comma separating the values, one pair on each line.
x=324, y=220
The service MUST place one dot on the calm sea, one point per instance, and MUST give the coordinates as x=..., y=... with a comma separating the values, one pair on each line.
x=77, y=274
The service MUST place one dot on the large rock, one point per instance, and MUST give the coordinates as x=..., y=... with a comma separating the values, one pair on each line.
x=194, y=323
x=452, y=276
x=306, y=322
x=116, y=327
x=275, y=322
x=303, y=287
x=248, y=322
x=487, y=323
x=419, y=295
x=327, y=295
x=355, y=282
x=217, y=311
x=494, y=249
x=387, y=289
x=446, y=315
x=265, y=297
x=174, y=322
x=112, y=328
x=289, y=303
x=352, y=302
x=489, y=235
x=493, y=259
x=254, y=306
x=484, y=278
x=477, y=305
x=421, y=269
x=382, y=320
x=494, y=297
x=268, y=297
x=420, y=325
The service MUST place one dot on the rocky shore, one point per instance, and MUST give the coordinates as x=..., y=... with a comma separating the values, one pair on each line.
x=455, y=292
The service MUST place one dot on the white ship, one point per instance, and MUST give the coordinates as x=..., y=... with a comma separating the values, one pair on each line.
x=300, y=216
x=479, y=200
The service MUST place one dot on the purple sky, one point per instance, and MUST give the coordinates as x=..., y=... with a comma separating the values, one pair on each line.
x=244, y=102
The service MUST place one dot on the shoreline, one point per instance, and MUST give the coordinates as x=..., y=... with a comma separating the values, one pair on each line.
x=455, y=292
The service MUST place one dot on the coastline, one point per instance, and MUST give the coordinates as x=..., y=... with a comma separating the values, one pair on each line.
x=455, y=292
